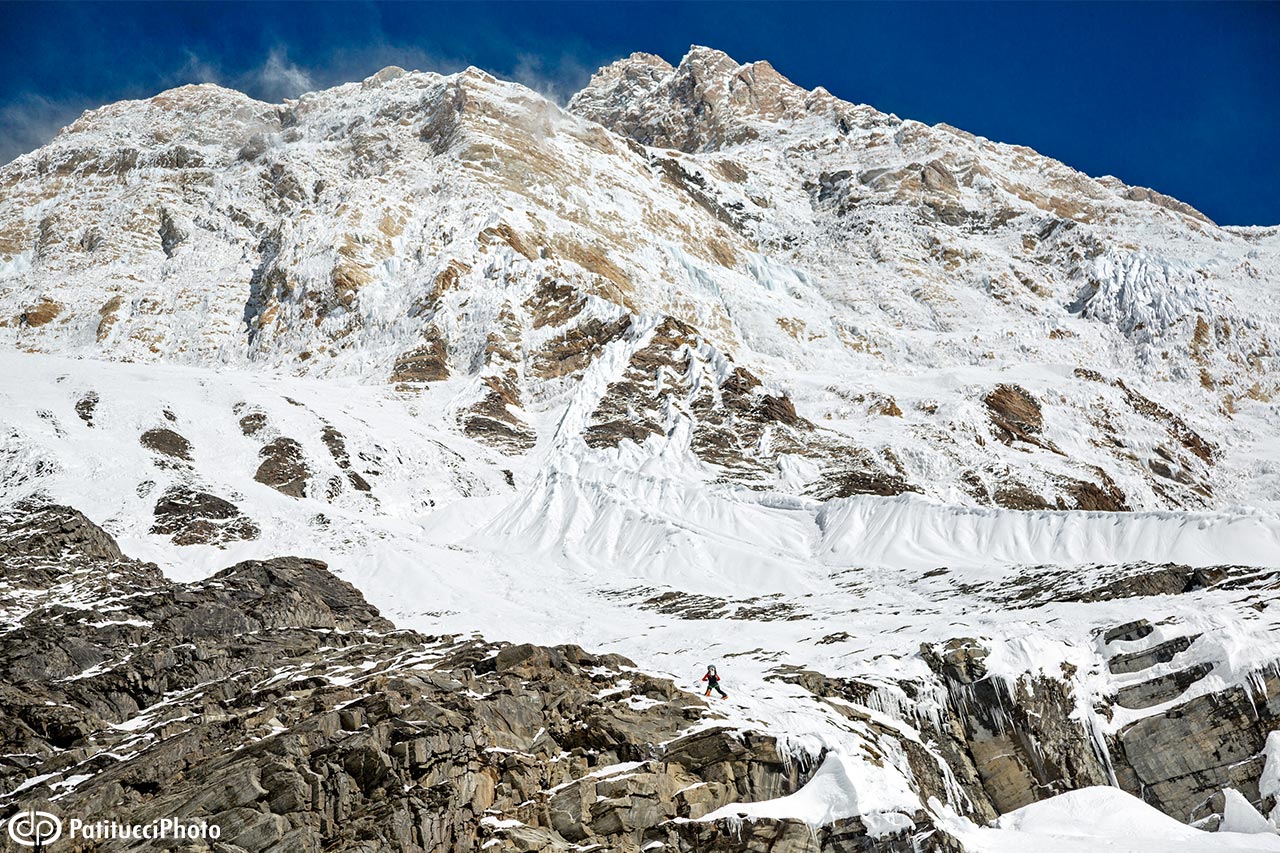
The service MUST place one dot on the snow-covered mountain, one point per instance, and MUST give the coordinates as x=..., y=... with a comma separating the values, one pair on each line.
x=841, y=301
x=962, y=464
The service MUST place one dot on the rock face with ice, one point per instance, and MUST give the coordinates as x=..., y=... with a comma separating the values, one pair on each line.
x=959, y=463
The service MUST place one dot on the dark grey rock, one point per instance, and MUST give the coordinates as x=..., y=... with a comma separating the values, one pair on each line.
x=1128, y=632
x=1145, y=659
x=1166, y=688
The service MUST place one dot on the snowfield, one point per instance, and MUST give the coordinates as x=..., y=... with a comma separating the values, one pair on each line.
x=1096, y=819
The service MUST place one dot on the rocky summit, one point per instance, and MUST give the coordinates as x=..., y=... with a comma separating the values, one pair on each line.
x=380, y=470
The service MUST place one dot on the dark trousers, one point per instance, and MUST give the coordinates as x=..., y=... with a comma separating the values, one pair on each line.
x=715, y=685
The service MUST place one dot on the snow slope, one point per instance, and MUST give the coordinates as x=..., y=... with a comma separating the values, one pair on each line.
x=1093, y=819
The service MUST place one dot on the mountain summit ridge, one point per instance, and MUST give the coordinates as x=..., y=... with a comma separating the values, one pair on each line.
x=707, y=102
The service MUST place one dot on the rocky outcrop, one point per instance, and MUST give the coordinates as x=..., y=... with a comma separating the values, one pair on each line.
x=194, y=517
x=1187, y=749
x=168, y=443
x=1028, y=739
x=86, y=406
x=1179, y=759
x=252, y=423
x=337, y=444
x=577, y=347
x=496, y=418
x=273, y=702
x=1023, y=738
x=737, y=425
x=1015, y=414
x=284, y=467
x=1041, y=585
x=847, y=835
x=426, y=363
x=44, y=311
x=634, y=406
x=34, y=535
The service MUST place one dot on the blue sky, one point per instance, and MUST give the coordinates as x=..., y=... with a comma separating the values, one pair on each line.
x=1184, y=98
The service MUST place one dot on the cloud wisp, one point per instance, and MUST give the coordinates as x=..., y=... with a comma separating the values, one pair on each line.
x=278, y=78
x=557, y=80
x=31, y=120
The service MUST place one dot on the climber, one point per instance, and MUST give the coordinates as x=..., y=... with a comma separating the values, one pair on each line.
x=713, y=682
